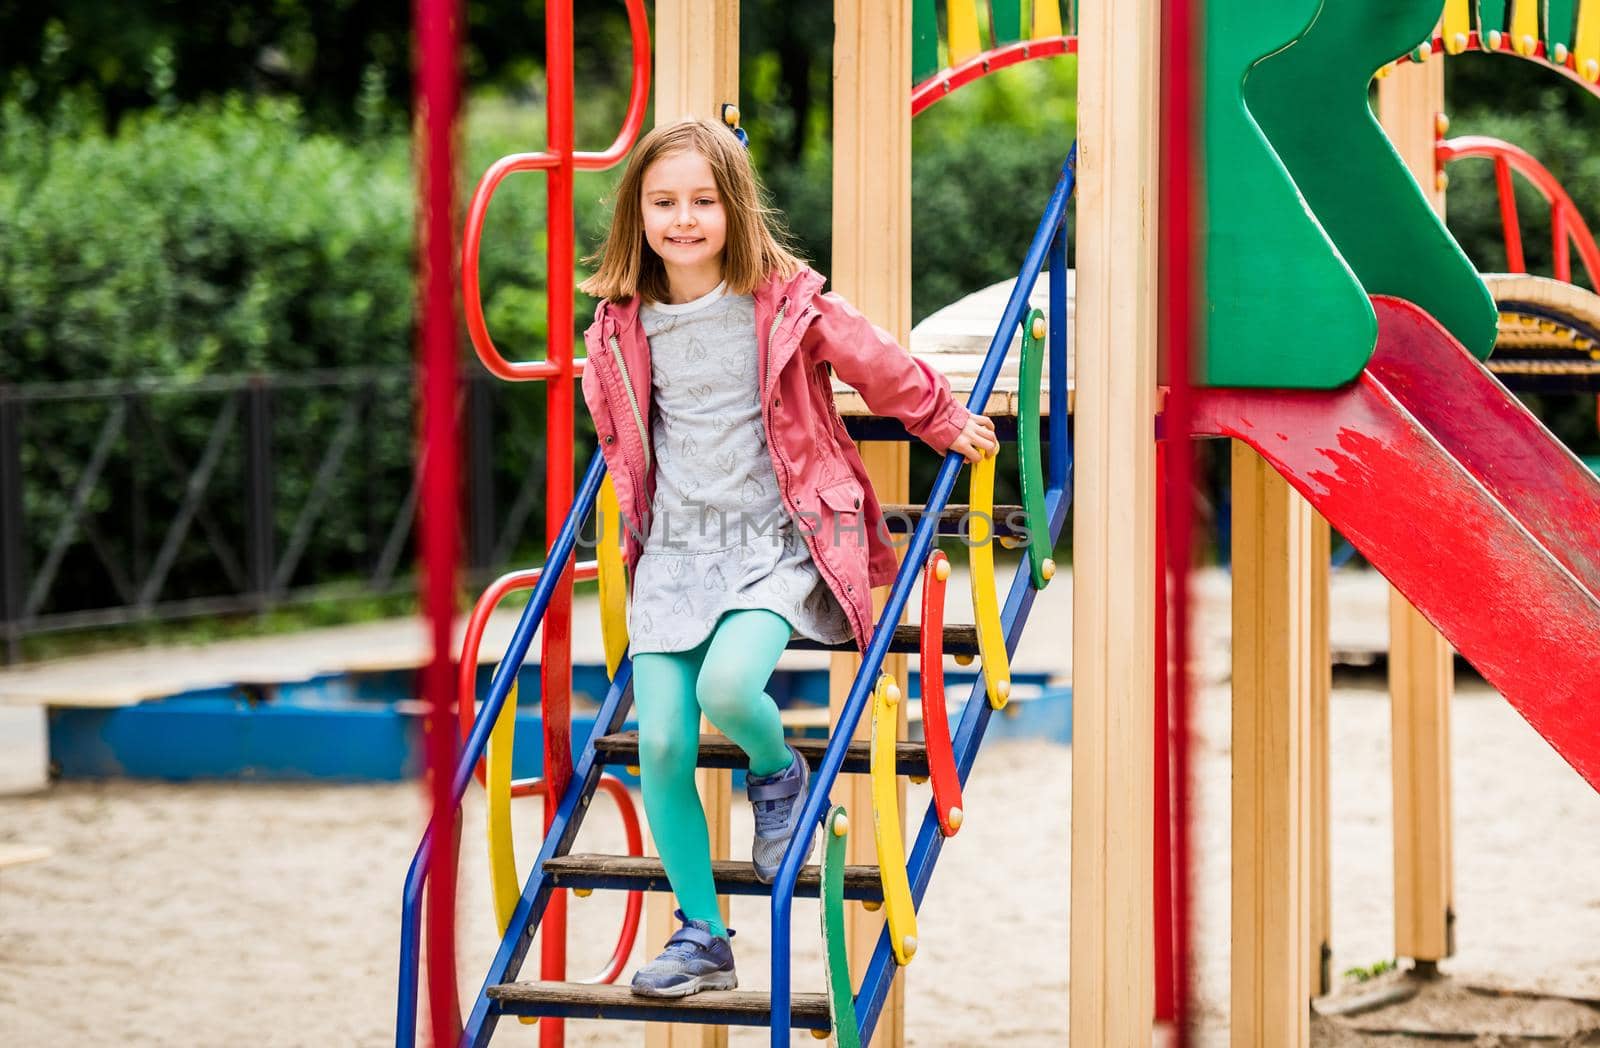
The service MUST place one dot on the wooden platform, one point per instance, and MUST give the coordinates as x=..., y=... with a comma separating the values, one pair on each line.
x=1542, y=317
x=956, y=338
x=733, y=876
x=807, y=1011
x=960, y=639
x=718, y=751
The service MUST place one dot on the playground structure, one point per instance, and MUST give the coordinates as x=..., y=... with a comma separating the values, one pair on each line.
x=1348, y=375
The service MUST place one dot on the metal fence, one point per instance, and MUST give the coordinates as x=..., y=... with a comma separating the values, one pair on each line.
x=124, y=502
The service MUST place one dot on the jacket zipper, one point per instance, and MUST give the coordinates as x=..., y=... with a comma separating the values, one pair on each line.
x=766, y=390
x=633, y=401
x=622, y=369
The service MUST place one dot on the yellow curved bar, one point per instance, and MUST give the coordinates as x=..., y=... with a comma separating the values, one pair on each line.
x=985, y=602
x=1586, y=50
x=886, y=822
x=963, y=18
x=1525, y=26
x=1457, y=29
x=497, y=787
x=1046, y=19
x=613, y=581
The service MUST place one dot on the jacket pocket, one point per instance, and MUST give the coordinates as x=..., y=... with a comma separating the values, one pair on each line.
x=841, y=496
x=842, y=535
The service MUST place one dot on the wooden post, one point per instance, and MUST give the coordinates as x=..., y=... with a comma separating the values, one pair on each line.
x=1421, y=675
x=1113, y=637
x=1320, y=870
x=697, y=69
x=1271, y=799
x=872, y=268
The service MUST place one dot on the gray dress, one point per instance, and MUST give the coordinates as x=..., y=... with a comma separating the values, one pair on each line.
x=719, y=538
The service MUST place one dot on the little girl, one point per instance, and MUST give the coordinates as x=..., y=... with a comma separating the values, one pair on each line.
x=748, y=514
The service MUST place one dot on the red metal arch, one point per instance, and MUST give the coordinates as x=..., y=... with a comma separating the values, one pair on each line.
x=941, y=85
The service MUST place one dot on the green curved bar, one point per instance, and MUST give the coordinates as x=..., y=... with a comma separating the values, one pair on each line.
x=1492, y=15
x=1030, y=458
x=1283, y=308
x=924, y=40
x=1561, y=20
x=835, y=959
x=1005, y=16
x=1348, y=171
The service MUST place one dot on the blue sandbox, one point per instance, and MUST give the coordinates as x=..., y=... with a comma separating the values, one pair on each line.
x=362, y=727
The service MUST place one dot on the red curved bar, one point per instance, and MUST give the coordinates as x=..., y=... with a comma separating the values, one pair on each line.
x=630, y=826
x=1539, y=57
x=471, y=293
x=1510, y=224
x=560, y=164
x=639, y=30
x=1566, y=221
x=942, y=84
x=935, y=719
x=472, y=640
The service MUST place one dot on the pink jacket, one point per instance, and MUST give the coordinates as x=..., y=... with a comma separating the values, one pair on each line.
x=821, y=479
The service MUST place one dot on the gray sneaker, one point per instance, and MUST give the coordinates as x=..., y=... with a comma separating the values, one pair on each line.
x=778, y=800
x=695, y=959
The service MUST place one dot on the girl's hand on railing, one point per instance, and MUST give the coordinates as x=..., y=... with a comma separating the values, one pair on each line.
x=977, y=440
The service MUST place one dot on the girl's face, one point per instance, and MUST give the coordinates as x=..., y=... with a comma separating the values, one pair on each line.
x=684, y=221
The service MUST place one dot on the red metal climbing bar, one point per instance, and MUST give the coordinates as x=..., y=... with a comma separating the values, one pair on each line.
x=438, y=94
x=1567, y=225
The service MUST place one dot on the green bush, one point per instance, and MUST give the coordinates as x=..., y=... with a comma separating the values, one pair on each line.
x=227, y=240
x=214, y=241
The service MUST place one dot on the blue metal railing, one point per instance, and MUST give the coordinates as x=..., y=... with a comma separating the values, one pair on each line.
x=505, y=675
x=1048, y=240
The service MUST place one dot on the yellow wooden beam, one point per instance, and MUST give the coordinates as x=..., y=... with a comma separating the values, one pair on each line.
x=1271, y=738
x=1525, y=26
x=1113, y=628
x=697, y=69
x=872, y=268
x=962, y=18
x=1420, y=671
x=1457, y=29
x=1046, y=19
x=1319, y=942
x=1586, y=49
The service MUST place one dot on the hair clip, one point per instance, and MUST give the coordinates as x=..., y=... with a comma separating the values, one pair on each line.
x=730, y=116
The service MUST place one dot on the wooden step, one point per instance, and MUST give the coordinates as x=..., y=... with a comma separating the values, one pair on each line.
x=733, y=876
x=896, y=515
x=960, y=639
x=718, y=751
x=807, y=1011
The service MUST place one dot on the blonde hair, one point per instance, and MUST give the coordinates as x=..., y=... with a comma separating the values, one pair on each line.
x=755, y=248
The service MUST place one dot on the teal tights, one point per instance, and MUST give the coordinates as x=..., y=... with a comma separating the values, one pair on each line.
x=725, y=678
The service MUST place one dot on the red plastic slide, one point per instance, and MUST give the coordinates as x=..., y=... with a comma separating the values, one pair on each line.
x=1470, y=507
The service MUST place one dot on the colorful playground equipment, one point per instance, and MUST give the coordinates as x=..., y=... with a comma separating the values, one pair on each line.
x=1344, y=337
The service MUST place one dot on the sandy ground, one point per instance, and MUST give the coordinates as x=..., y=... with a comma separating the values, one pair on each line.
x=267, y=915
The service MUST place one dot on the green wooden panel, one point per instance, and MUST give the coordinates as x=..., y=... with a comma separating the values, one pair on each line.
x=1561, y=20
x=1349, y=173
x=1492, y=14
x=924, y=40
x=1283, y=308
x=1030, y=453
x=1007, y=17
x=835, y=958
